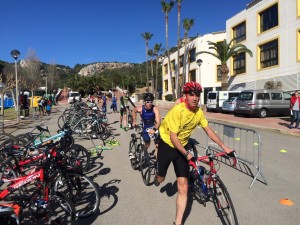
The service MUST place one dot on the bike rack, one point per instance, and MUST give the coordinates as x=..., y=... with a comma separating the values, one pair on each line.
x=246, y=142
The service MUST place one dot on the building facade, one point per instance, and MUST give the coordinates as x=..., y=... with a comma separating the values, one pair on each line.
x=270, y=29
x=207, y=74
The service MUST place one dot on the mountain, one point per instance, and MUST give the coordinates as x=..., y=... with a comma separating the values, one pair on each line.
x=99, y=67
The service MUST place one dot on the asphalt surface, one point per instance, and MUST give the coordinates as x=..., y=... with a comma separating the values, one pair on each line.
x=126, y=200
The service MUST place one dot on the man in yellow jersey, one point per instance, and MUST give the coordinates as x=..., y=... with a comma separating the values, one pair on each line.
x=175, y=131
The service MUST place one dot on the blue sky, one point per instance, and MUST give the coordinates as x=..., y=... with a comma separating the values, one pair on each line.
x=86, y=31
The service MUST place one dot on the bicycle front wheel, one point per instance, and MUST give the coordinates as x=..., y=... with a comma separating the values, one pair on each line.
x=81, y=190
x=78, y=152
x=144, y=160
x=223, y=203
x=132, y=154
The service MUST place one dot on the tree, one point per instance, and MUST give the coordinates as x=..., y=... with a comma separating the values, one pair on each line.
x=178, y=87
x=224, y=51
x=277, y=85
x=147, y=36
x=166, y=8
x=187, y=25
x=151, y=54
x=157, y=49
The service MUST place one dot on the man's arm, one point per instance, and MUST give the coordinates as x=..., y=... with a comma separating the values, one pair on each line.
x=157, y=117
x=213, y=136
x=134, y=112
x=177, y=144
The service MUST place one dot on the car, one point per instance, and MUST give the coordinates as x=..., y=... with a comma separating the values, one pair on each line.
x=74, y=95
x=229, y=105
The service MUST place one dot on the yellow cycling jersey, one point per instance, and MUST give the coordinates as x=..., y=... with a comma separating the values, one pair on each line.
x=181, y=121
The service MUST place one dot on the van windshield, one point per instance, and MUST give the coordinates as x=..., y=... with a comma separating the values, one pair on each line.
x=212, y=95
x=245, y=96
x=74, y=94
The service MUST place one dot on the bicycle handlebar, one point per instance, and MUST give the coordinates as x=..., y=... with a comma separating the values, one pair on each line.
x=213, y=156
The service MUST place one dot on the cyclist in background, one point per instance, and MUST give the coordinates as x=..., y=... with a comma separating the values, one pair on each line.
x=150, y=117
x=175, y=131
x=124, y=109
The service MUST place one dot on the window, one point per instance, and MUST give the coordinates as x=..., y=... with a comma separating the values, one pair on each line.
x=166, y=85
x=173, y=65
x=173, y=82
x=239, y=63
x=276, y=96
x=192, y=75
x=268, y=18
x=166, y=69
x=181, y=61
x=180, y=80
x=286, y=96
x=262, y=96
x=239, y=32
x=192, y=57
x=245, y=96
x=268, y=54
x=219, y=75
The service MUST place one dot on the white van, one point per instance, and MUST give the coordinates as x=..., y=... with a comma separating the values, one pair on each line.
x=215, y=99
x=74, y=95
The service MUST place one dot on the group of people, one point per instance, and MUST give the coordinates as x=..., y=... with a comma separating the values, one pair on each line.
x=174, y=133
x=45, y=105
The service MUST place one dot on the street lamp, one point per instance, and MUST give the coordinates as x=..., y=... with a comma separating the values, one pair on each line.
x=44, y=74
x=15, y=54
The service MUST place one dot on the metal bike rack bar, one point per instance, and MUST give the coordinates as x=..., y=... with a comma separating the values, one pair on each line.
x=246, y=142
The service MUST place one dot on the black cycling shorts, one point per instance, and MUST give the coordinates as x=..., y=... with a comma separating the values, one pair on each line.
x=123, y=111
x=167, y=154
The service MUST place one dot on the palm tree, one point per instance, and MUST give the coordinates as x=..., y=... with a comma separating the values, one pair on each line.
x=178, y=88
x=187, y=25
x=157, y=49
x=166, y=8
x=224, y=51
x=151, y=54
x=147, y=36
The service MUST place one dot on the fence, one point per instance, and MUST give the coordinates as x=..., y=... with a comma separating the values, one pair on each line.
x=246, y=142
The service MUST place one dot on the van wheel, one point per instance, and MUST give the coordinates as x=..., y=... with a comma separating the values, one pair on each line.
x=263, y=113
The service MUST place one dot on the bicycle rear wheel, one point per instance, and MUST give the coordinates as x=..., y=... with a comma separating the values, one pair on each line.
x=144, y=161
x=58, y=209
x=223, y=202
x=83, y=192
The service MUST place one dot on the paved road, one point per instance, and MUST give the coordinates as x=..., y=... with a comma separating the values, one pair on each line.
x=126, y=200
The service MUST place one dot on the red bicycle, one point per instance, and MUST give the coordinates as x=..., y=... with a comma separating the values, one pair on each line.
x=38, y=206
x=206, y=185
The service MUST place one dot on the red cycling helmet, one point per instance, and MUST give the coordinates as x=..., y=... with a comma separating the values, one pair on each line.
x=192, y=87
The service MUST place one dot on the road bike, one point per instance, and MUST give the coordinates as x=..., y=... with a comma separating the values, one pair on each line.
x=206, y=185
x=138, y=154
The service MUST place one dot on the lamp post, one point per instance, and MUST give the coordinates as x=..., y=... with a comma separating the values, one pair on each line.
x=199, y=62
x=44, y=74
x=15, y=54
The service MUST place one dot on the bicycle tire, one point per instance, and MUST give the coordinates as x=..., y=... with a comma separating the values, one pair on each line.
x=7, y=139
x=144, y=161
x=223, y=202
x=59, y=209
x=132, y=149
x=81, y=190
x=78, y=152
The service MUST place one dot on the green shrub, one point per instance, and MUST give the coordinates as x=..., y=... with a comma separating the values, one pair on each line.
x=169, y=97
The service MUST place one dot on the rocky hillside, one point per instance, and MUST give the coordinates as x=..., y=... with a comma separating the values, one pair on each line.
x=99, y=67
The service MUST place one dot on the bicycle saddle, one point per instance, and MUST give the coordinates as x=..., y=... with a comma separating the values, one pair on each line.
x=42, y=129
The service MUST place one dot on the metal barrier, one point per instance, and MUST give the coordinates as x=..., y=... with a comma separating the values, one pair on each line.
x=246, y=142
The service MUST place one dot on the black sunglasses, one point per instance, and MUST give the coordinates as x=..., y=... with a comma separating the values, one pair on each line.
x=149, y=102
